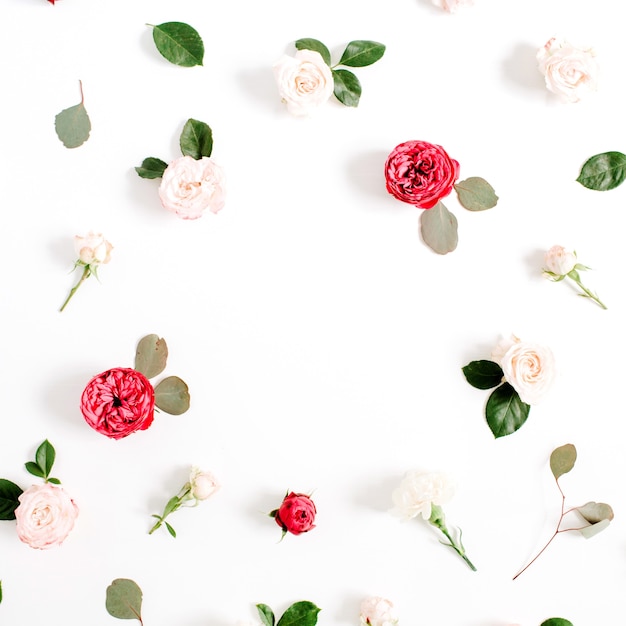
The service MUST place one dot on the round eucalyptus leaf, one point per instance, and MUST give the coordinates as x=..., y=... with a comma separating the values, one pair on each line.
x=123, y=599
x=151, y=356
x=594, y=512
x=172, y=395
x=439, y=229
x=562, y=459
x=476, y=194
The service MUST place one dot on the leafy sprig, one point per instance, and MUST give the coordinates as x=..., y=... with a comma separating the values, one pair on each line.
x=302, y=613
x=42, y=465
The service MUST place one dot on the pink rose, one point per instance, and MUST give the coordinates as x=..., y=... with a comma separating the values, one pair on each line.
x=452, y=6
x=420, y=173
x=118, y=402
x=296, y=514
x=45, y=516
x=190, y=186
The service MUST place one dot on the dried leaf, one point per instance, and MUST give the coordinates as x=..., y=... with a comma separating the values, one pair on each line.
x=562, y=460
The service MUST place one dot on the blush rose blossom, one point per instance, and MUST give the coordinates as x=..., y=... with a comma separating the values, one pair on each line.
x=452, y=6
x=419, y=491
x=569, y=72
x=189, y=187
x=202, y=485
x=118, y=402
x=560, y=261
x=377, y=611
x=304, y=81
x=296, y=514
x=45, y=516
x=420, y=173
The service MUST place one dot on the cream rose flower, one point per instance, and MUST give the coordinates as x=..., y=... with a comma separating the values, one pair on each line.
x=304, y=81
x=560, y=261
x=191, y=186
x=92, y=249
x=202, y=484
x=418, y=491
x=528, y=367
x=45, y=516
x=569, y=72
x=377, y=611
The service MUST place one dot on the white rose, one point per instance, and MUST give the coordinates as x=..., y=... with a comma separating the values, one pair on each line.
x=377, y=611
x=202, y=484
x=418, y=491
x=304, y=81
x=528, y=367
x=92, y=249
x=190, y=186
x=452, y=6
x=570, y=72
x=560, y=261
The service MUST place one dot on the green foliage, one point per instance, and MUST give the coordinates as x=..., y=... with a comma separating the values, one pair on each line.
x=266, y=614
x=151, y=355
x=9, y=494
x=603, y=171
x=179, y=43
x=151, y=168
x=361, y=53
x=557, y=621
x=73, y=125
x=562, y=460
x=505, y=412
x=196, y=140
x=598, y=514
x=483, y=374
x=44, y=460
x=317, y=46
x=172, y=395
x=0, y=591
x=302, y=613
x=123, y=599
x=347, y=88
x=439, y=229
x=476, y=194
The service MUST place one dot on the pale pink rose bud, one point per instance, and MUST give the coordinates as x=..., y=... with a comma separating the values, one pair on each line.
x=92, y=249
x=418, y=491
x=560, y=261
x=377, y=611
x=203, y=484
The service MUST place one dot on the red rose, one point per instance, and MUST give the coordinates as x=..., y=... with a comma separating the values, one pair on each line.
x=420, y=173
x=118, y=402
x=296, y=514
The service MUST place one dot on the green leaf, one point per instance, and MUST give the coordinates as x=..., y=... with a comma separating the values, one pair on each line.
x=483, y=374
x=179, y=43
x=172, y=395
x=9, y=494
x=347, y=88
x=603, y=171
x=594, y=512
x=45, y=456
x=151, y=356
x=439, y=229
x=505, y=412
x=73, y=125
x=34, y=469
x=0, y=591
x=300, y=614
x=54, y=481
x=123, y=599
x=151, y=168
x=196, y=140
x=594, y=529
x=557, y=621
x=317, y=46
x=361, y=53
x=266, y=614
x=172, y=505
x=170, y=530
x=562, y=460
x=476, y=194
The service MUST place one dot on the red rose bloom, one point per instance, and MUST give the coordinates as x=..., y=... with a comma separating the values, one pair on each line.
x=420, y=173
x=118, y=402
x=296, y=514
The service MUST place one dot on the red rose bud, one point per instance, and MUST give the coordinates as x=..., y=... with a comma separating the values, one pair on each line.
x=296, y=514
x=118, y=402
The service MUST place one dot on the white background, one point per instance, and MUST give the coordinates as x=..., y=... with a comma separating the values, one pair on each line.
x=322, y=341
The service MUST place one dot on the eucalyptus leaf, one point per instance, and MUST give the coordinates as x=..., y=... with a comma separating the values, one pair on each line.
x=34, y=469
x=300, y=614
x=172, y=395
x=361, y=52
x=266, y=614
x=483, y=374
x=562, y=460
x=505, y=412
x=603, y=171
x=557, y=621
x=317, y=46
x=9, y=494
x=45, y=456
x=594, y=512
x=73, y=125
x=151, y=356
x=151, y=168
x=439, y=229
x=179, y=43
x=476, y=194
x=347, y=88
x=196, y=140
x=123, y=599
x=591, y=531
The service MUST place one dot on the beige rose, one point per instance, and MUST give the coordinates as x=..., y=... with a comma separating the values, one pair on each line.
x=92, y=249
x=560, y=261
x=202, y=484
x=418, y=491
x=377, y=611
x=304, y=81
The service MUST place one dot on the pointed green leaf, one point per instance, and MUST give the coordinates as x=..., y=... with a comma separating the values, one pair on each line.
x=439, y=229
x=603, y=171
x=557, y=621
x=266, y=614
x=73, y=126
x=347, y=88
x=562, y=460
x=317, y=46
x=151, y=168
x=172, y=395
x=196, y=140
x=361, y=53
x=34, y=469
x=151, y=356
x=45, y=456
x=123, y=599
x=54, y=481
x=172, y=505
x=300, y=614
x=9, y=494
x=483, y=374
x=170, y=530
x=505, y=412
x=179, y=43
x=476, y=194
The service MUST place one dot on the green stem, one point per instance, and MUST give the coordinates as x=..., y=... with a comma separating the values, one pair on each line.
x=86, y=274
x=460, y=550
x=588, y=293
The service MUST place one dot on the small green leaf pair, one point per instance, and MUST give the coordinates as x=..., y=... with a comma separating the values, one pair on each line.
x=179, y=43
x=439, y=227
x=359, y=53
x=302, y=613
x=171, y=394
x=505, y=412
x=603, y=171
